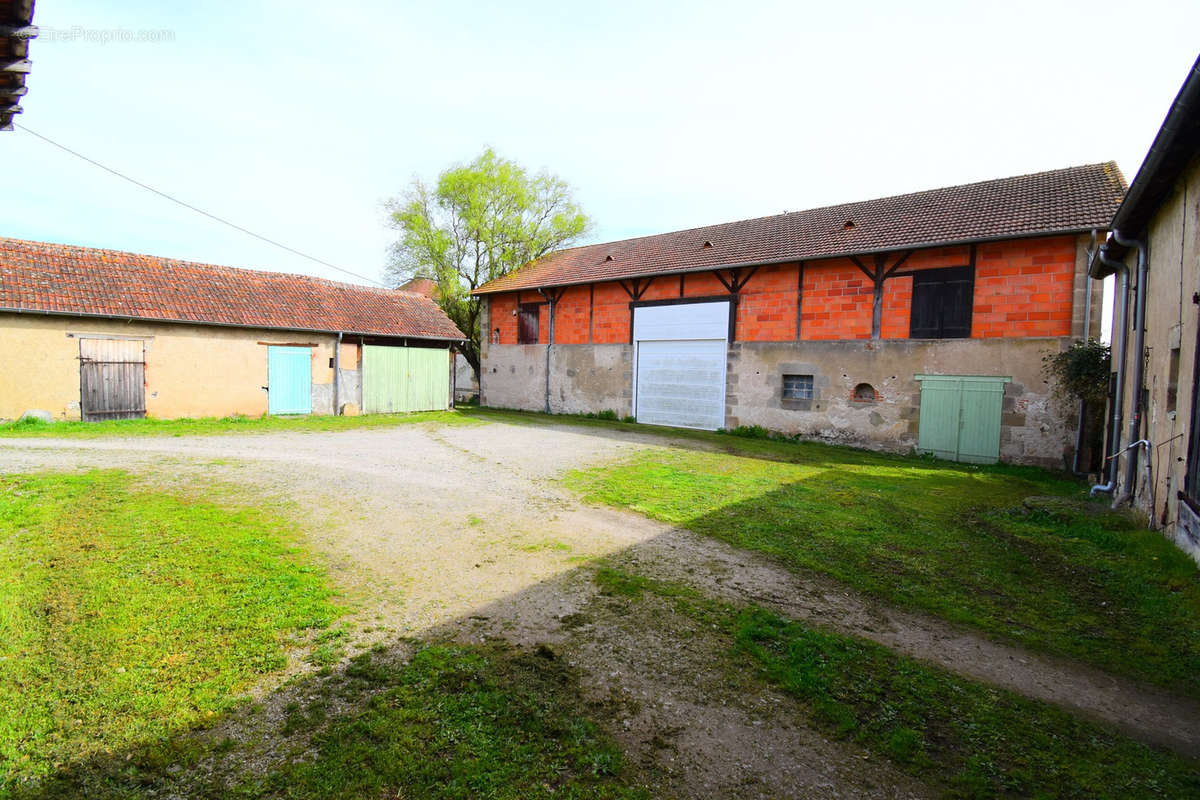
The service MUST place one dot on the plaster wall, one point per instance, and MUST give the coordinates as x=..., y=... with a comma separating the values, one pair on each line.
x=191, y=370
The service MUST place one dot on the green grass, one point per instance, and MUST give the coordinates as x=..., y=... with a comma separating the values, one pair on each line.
x=208, y=426
x=466, y=721
x=970, y=739
x=951, y=540
x=460, y=722
x=127, y=614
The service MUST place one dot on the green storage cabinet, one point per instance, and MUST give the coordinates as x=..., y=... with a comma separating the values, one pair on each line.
x=960, y=417
x=403, y=379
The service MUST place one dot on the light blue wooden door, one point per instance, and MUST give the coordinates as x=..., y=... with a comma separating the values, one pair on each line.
x=961, y=416
x=289, y=380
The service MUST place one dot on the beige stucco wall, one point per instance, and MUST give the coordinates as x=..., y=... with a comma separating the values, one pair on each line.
x=191, y=370
x=1171, y=322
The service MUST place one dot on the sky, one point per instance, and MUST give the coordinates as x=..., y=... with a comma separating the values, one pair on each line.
x=298, y=121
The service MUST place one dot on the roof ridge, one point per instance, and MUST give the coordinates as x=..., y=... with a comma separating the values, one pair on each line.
x=205, y=265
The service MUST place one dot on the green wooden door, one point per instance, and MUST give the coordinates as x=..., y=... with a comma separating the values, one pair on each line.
x=960, y=417
x=403, y=379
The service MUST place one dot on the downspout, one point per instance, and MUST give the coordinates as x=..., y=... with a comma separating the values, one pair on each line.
x=1087, y=328
x=337, y=376
x=551, y=300
x=1139, y=368
x=1120, y=328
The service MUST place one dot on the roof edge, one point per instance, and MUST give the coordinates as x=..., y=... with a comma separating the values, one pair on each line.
x=173, y=321
x=1169, y=154
x=484, y=290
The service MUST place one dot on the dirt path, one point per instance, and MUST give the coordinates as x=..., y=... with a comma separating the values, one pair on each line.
x=467, y=527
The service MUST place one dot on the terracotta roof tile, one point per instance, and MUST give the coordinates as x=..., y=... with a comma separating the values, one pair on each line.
x=55, y=278
x=1060, y=201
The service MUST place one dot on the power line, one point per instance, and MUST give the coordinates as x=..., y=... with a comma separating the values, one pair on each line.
x=191, y=207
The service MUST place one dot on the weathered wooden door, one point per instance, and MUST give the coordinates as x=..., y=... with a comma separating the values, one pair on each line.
x=402, y=379
x=960, y=417
x=289, y=380
x=112, y=379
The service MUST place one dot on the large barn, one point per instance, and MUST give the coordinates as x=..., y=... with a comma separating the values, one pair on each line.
x=916, y=321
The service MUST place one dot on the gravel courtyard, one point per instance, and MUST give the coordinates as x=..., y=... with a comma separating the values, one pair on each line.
x=464, y=531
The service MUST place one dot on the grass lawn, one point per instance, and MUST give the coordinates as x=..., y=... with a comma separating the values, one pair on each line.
x=454, y=721
x=133, y=621
x=208, y=426
x=970, y=739
x=127, y=614
x=1065, y=577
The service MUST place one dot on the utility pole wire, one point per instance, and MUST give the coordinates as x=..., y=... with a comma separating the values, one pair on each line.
x=191, y=207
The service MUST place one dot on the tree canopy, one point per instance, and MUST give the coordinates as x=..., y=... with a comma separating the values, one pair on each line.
x=480, y=221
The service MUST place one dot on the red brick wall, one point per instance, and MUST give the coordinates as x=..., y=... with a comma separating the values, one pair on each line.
x=837, y=301
x=1022, y=288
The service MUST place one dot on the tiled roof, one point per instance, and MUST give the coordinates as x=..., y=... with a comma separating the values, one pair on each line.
x=1060, y=201
x=56, y=278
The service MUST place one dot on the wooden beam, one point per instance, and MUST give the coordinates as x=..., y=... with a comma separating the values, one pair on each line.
x=728, y=286
x=740, y=282
x=628, y=291
x=14, y=91
x=23, y=65
x=892, y=270
x=870, y=275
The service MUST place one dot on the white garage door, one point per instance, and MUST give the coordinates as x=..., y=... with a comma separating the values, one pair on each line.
x=681, y=356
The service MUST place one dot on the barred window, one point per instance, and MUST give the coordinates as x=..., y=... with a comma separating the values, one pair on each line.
x=797, y=387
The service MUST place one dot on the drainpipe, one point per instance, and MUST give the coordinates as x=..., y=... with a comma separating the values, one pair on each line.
x=1087, y=327
x=337, y=376
x=551, y=300
x=1139, y=367
x=1120, y=328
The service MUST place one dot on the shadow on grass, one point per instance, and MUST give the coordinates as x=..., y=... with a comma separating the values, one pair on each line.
x=446, y=719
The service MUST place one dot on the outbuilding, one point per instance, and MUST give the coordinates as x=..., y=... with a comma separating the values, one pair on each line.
x=1154, y=251
x=915, y=321
x=101, y=334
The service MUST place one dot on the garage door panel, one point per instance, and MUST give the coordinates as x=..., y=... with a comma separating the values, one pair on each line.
x=682, y=383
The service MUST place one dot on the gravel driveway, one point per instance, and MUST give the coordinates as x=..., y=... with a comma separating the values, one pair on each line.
x=464, y=530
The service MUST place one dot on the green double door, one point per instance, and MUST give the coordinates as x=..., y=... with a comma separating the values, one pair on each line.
x=960, y=417
x=403, y=379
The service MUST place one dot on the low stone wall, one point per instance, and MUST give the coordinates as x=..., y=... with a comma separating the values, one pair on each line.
x=593, y=378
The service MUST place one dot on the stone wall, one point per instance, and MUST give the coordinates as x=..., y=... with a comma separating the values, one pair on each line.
x=593, y=378
x=1034, y=428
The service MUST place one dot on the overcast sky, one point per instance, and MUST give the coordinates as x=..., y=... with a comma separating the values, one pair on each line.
x=297, y=121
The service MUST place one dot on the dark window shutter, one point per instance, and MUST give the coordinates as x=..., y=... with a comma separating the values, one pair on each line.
x=941, y=303
x=527, y=323
x=923, y=323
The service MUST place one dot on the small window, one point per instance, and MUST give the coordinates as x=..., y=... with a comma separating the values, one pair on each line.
x=864, y=393
x=527, y=323
x=797, y=387
x=941, y=303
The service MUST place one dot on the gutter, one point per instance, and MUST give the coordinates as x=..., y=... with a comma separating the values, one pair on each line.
x=1173, y=148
